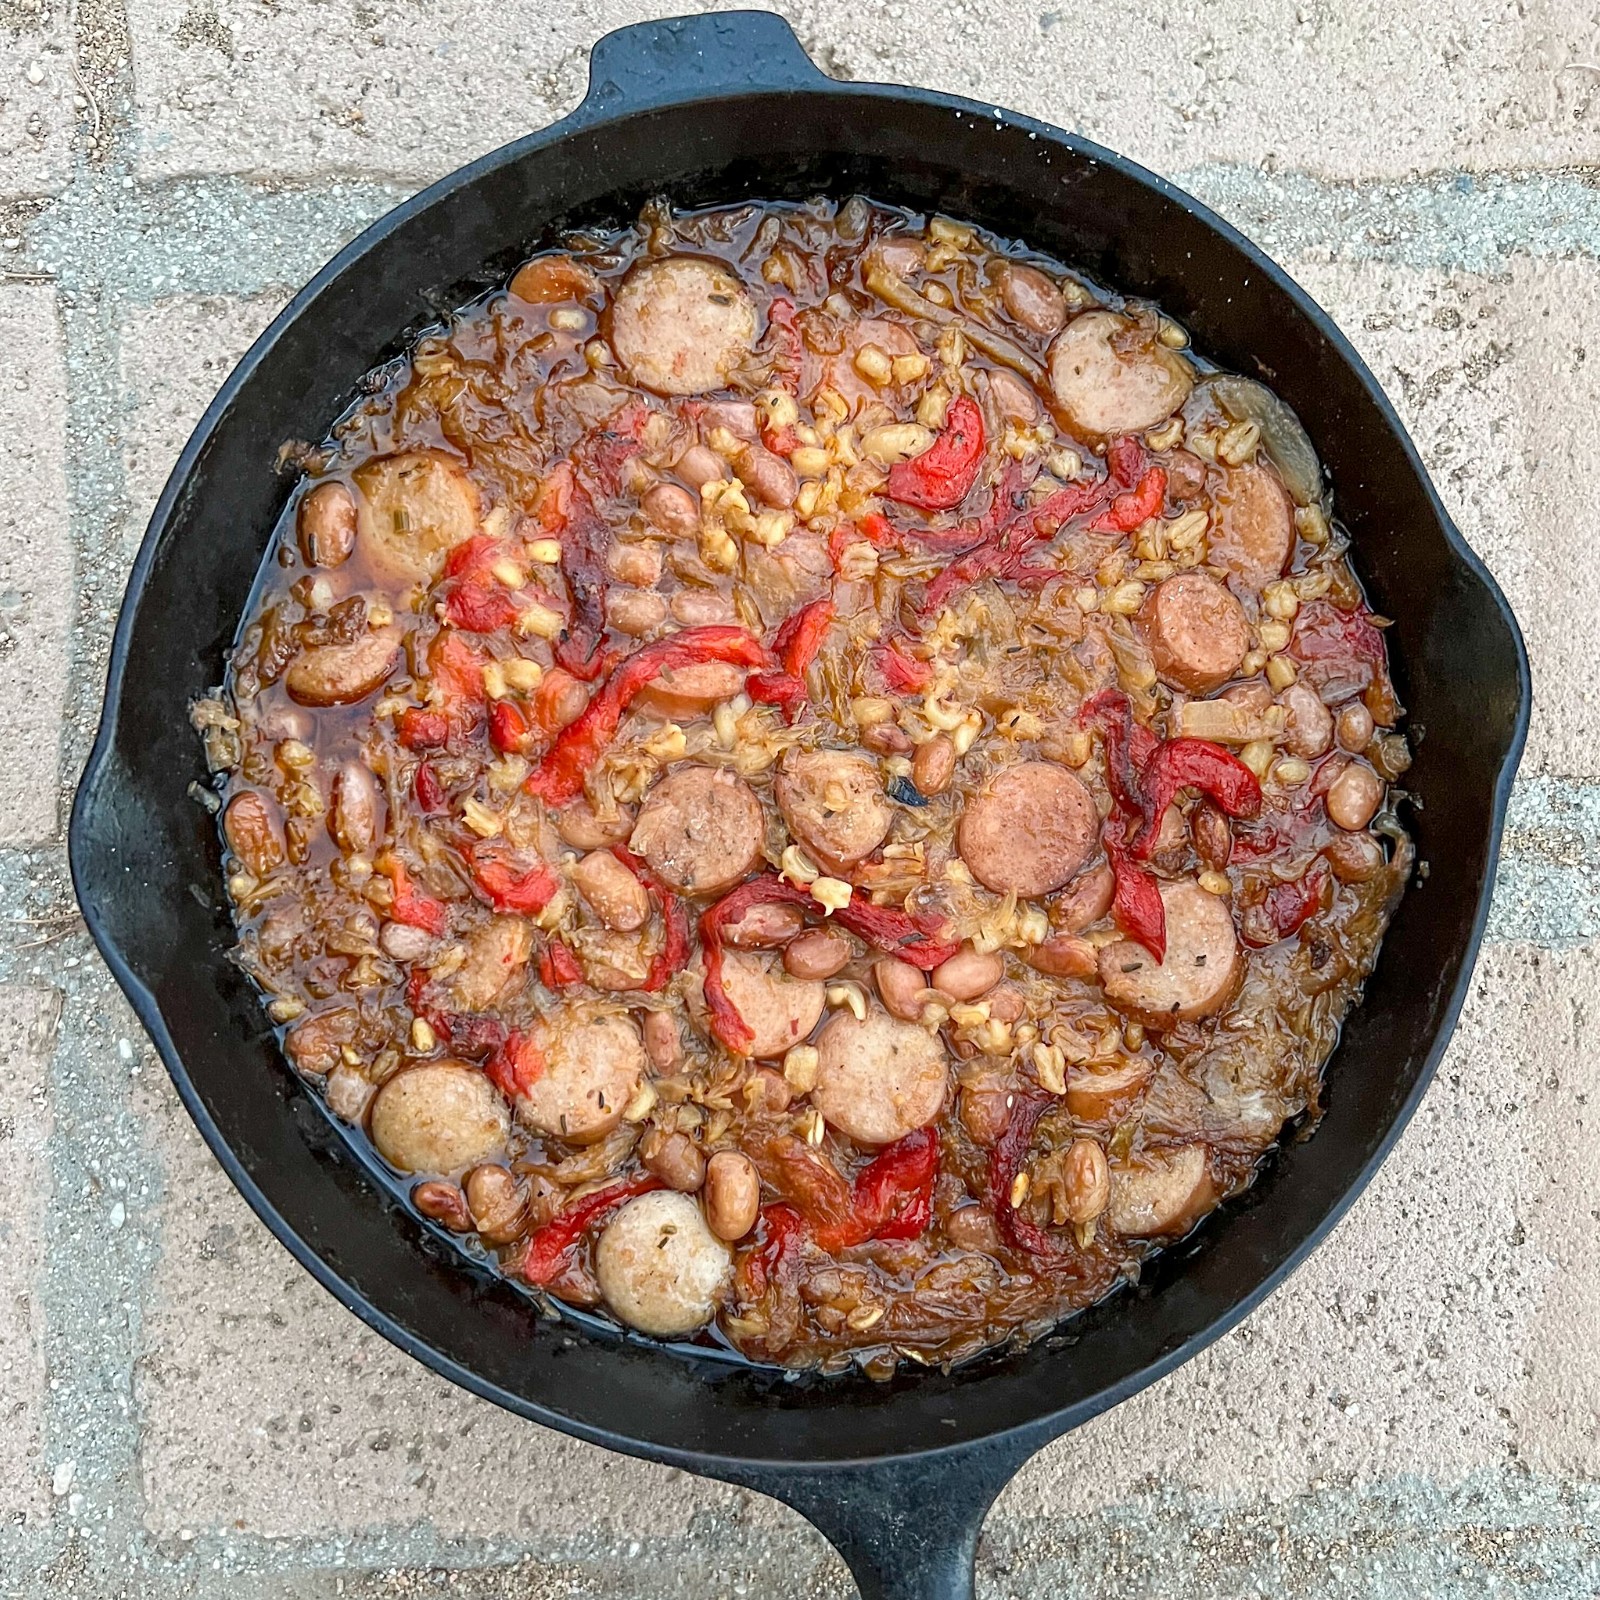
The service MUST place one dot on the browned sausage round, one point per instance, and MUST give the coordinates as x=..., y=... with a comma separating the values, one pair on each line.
x=1111, y=375
x=1106, y=1094
x=779, y=1010
x=683, y=692
x=1197, y=632
x=593, y=1064
x=1199, y=972
x=834, y=804
x=1029, y=830
x=342, y=674
x=415, y=508
x=497, y=960
x=326, y=525
x=660, y=1267
x=840, y=373
x=442, y=1116
x=682, y=325
x=880, y=1079
x=1253, y=534
x=1165, y=1193
x=700, y=828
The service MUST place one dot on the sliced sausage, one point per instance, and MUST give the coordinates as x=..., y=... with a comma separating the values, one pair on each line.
x=682, y=325
x=879, y=1079
x=1197, y=632
x=659, y=1266
x=497, y=962
x=442, y=1116
x=834, y=805
x=593, y=1064
x=1029, y=829
x=1106, y=1094
x=326, y=525
x=1199, y=972
x=612, y=892
x=1252, y=535
x=1112, y=375
x=684, y=692
x=1085, y=900
x=1030, y=298
x=583, y=830
x=1166, y=1193
x=700, y=829
x=415, y=508
x=342, y=674
x=779, y=1010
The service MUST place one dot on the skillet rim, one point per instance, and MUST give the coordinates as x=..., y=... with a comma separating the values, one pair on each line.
x=591, y=118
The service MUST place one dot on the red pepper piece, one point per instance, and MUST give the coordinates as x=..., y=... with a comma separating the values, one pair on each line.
x=468, y=1033
x=428, y=790
x=788, y=351
x=558, y=967
x=776, y=1259
x=457, y=672
x=913, y=939
x=1193, y=764
x=1129, y=745
x=480, y=607
x=902, y=673
x=410, y=904
x=559, y=777
x=1288, y=905
x=1136, y=905
x=812, y=1184
x=516, y=1066
x=526, y=891
x=1137, y=505
x=800, y=637
x=510, y=731
x=549, y=1249
x=1255, y=844
x=940, y=477
x=877, y=529
x=422, y=730
x=1020, y=1231
x=777, y=689
x=893, y=1193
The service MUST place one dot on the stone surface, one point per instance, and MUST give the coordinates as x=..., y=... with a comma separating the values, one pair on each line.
x=35, y=563
x=28, y=1020
x=1497, y=380
x=36, y=90
x=1360, y=90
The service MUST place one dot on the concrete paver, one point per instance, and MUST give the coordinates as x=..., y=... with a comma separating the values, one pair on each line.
x=35, y=563
x=36, y=99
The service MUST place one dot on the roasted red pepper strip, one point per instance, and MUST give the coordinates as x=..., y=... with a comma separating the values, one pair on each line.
x=428, y=790
x=558, y=967
x=913, y=939
x=903, y=674
x=788, y=351
x=1020, y=1231
x=457, y=673
x=1192, y=764
x=510, y=731
x=777, y=689
x=559, y=777
x=410, y=905
x=422, y=730
x=1288, y=905
x=549, y=1249
x=798, y=640
x=893, y=1193
x=669, y=961
x=516, y=1066
x=810, y=1182
x=1136, y=506
x=1129, y=746
x=1136, y=905
x=777, y=1258
x=940, y=477
x=525, y=890
x=468, y=1033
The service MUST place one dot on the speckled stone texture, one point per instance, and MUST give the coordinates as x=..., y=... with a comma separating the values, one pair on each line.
x=186, y=1414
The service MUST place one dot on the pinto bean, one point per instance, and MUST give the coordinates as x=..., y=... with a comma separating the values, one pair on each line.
x=1356, y=727
x=1354, y=857
x=498, y=1203
x=1031, y=827
x=969, y=974
x=1013, y=398
x=325, y=524
x=834, y=804
x=695, y=608
x=732, y=1194
x=1063, y=955
x=562, y=699
x=879, y=1079
x=1213, y=836
x=700, y=828
x=887, y=739
x=676, y=1160
x=1166, y=1193
x=779, y=1010
x=1197, y=976
x=583, y=830
x=442, y=1116
x=1196, y=631
x=635, y=611
x=314, y=1044
x=737, y=416
x=444, y=1203
x=902, y=987
x=1087, y=1177
x=672, y=509
x=555, y=280
x=1354, y=796
x=765, y=927
x=1105, y=1095
x=414, y=509
x=1006, y=1003
x=342, y=674
x=1030, y=298
x=821, y=953
x=254, y=832
x=593, y=1064
x=973, y=1228
x=934, y=764
x=768, y=477
x=613, y=893
x=1111, y=375
x=1085, y=899
x=1310, y=729
x=662, y=1043
x=1253, y=534
x=682, y=325
x=698, y=466
x=660, y=1267
x=356, y=809
x=636, y=564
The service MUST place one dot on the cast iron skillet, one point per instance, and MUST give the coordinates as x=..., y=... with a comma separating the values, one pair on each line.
x=712, y=108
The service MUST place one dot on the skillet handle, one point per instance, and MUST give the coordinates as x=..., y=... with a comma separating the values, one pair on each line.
x=908, y=1529
x=686, y=58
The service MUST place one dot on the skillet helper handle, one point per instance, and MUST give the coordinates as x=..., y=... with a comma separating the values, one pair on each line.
x=907, y=1529
x=682, y=58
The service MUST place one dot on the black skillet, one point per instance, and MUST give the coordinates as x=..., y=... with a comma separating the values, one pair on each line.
x=712, y=109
